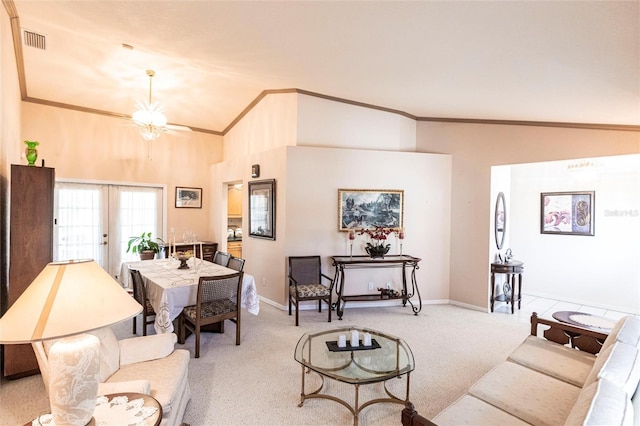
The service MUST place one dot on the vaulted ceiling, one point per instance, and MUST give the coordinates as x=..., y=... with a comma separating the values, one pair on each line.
x=555, y=61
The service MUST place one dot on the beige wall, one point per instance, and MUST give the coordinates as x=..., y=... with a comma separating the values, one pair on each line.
x=10, y=141
x=339, y=152
x=270, y=124
x=94, y=147
x=477, y=147
x=314, y=176
x=99, y=148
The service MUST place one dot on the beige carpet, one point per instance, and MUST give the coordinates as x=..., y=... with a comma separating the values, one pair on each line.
x=258, y=382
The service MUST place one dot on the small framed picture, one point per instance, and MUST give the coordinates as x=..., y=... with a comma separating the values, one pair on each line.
x=188, y=198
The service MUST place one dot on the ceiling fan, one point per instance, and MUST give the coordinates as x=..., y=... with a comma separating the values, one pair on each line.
x=149, y=117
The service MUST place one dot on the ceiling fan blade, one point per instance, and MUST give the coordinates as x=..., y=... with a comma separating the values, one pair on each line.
x=178, y=127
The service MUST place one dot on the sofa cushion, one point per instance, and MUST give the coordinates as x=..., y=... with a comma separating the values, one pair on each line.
x=563, y=363
x=626, y=330
x=630, y=331
x=469, y=410
x=601, y=403
x=132, y=386
x=109, y=352
x=146, y=348
x=165, y=375
x=620, y=364
x=527, y=394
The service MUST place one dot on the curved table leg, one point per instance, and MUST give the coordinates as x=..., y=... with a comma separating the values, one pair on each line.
x=414, y=291
x=340, y=302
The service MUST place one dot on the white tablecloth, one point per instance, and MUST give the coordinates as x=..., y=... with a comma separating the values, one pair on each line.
x=170, y=289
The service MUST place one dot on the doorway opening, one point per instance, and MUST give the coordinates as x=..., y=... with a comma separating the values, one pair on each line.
x=234, y=218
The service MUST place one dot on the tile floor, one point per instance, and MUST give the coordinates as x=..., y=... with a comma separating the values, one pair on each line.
x=546, y=307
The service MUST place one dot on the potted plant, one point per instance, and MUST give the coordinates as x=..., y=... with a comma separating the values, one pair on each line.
x=144, y=245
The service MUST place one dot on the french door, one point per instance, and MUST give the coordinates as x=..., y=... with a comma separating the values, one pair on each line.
x=95, y=221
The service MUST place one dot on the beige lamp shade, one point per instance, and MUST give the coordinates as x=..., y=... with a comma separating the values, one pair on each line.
x=67, y=298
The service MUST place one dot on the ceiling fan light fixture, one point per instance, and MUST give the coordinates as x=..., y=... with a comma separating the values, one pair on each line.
x=148, y=117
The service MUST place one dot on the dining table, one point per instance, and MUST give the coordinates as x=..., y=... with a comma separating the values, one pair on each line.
x=170, y=289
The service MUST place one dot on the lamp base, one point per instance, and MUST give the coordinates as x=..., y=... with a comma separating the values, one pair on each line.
x=74, y=369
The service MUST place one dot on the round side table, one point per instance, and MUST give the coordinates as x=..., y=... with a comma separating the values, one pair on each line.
x=148, y=400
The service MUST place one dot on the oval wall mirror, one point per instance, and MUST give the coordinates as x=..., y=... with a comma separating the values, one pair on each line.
x=500, y=221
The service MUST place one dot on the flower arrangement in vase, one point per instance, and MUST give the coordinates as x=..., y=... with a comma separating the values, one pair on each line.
x=378, y=246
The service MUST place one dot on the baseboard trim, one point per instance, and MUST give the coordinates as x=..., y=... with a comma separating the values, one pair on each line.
x=313, y=305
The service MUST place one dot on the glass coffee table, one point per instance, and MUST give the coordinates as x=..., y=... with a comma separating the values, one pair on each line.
x=386, y=358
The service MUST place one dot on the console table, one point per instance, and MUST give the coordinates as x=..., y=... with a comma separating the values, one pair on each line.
x=405, y=262
x=511, y=269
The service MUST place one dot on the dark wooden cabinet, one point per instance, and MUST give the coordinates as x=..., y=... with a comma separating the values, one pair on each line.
x=30, y=248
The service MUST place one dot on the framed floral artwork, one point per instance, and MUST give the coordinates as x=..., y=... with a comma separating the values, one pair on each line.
x=370, y=208
x=567, y=213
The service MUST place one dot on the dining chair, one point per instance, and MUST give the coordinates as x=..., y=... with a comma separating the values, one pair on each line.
x=140, y=294
x=235, y=263
x=221, y=258
x=218, y=300
x=305, y=283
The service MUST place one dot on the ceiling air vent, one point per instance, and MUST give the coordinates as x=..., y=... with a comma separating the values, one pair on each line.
x=29, y=38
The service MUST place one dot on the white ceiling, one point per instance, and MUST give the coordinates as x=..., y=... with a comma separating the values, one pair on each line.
x=505, y=60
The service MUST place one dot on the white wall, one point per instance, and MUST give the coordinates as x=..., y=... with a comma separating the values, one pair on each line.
x=331, y=124
x=601, y=270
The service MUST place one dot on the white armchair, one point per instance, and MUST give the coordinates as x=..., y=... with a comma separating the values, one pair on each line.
x=148, y=365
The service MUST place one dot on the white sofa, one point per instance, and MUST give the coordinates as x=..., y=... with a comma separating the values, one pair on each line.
x=147, y=364
x=547, y=383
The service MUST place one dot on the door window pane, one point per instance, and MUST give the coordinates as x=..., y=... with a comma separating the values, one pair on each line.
x=79, y=222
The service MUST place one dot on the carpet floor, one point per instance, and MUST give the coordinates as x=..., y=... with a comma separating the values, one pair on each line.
x=258, y=382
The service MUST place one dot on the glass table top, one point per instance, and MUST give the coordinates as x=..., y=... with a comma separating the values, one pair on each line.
x=370, y=364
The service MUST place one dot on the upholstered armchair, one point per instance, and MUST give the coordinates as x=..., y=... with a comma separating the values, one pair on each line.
x=148, y=365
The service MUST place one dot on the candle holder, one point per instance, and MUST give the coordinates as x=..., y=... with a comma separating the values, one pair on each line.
x=401, y=238
x=352, y=236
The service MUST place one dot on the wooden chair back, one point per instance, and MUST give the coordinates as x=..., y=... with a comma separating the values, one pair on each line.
x=236, y=263
x=221, y=258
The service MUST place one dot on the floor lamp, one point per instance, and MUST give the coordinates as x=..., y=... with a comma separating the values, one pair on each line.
x=63, y=302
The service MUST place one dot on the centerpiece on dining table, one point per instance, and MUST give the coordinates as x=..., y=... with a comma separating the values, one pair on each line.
x=183, y=256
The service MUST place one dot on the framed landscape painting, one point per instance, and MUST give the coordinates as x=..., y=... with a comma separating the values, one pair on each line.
x=567, y=213
x=188, y=197
x=368, y=208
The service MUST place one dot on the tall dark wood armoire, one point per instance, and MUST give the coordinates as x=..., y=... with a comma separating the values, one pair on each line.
x=30, y=248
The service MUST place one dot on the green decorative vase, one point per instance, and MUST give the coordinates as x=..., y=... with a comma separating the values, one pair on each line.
x=377, y=251
x=31, y=151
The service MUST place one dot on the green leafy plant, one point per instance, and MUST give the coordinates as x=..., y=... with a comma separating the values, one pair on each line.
x=144, y=242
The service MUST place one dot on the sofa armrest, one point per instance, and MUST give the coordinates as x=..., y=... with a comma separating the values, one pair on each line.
x=129, y=386
x=410, y=417
x=580, y=338
x=146, y=348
